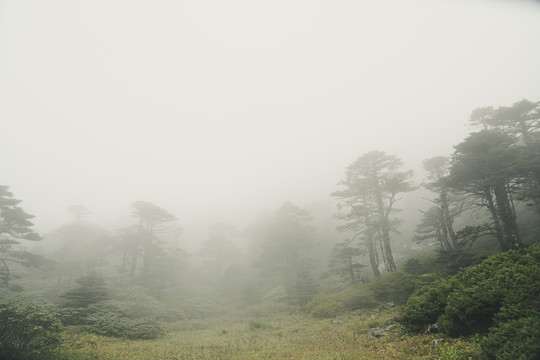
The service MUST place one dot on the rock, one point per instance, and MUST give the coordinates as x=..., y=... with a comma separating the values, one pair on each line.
x=432, y=329
x=436, y=342
x=378, y=332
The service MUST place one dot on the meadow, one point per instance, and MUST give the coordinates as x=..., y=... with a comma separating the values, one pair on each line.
x=295, y=336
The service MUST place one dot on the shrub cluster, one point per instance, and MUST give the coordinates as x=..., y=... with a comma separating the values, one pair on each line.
x=129, y=314
x=499, y=296
x=121, y=319
x=27, y=329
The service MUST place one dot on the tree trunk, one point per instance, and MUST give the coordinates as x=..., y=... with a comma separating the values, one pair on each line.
x=496, y=221
x=506, y=215
x=385, y=229
x=373, y=258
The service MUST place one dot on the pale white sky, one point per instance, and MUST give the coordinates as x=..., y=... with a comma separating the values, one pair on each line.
x=217, y=110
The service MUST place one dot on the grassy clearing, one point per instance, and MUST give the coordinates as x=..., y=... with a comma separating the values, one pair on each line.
x=284, y=337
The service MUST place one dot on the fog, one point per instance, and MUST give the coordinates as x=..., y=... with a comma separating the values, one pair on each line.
x=218, y=111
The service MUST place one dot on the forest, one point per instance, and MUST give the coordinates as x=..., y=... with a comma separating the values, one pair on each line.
x=347, y=278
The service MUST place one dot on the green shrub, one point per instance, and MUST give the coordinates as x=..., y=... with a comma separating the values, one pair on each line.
x=396, y=287
x=111, y=322
x=426, y=307
x=514, y=339
x=27, y=329
x=498, y=294
x=132, y=314
x=91, y=289
x=135, y=317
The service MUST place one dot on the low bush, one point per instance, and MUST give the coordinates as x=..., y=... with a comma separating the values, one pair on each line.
x=131, y=314
x=495, y=296
x=27, y=329
x=113, y=322
x=514, y=339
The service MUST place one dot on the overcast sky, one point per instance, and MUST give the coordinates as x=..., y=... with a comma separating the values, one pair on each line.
x=218, y=110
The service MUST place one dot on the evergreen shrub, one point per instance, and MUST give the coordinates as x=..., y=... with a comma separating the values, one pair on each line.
x=27, y=329
x=493, y=297
x=514, y=339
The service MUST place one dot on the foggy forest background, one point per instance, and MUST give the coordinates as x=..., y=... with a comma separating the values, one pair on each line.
x=481, y=199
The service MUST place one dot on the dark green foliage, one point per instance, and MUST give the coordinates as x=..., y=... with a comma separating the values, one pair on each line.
x=499, y=292
x=27, y=329
x=396, y=287
x=514, y=339
x=91, y=290
x=454, y=259
x=15, y=222
x=424, y=308
x=412, y=266
x=131, y=314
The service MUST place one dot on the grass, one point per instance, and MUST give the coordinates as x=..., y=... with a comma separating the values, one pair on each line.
x=283, y=337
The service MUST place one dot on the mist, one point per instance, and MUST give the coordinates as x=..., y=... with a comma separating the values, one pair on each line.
x=218, y=112
x=227, y=115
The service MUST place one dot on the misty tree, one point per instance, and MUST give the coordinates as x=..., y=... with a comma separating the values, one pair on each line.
x=166, y=271
x=438, y=220
x=372, y=184
x=79, y=212
x=219, y=249
x=168, y=262
x=78, y=248
x=481, y=117
x=521, y=120
x=482, y=168
x=285, y=241
x=15, y=225
x=344, y=262
x=127, y=244
x=152, y=220
x=357, y=211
